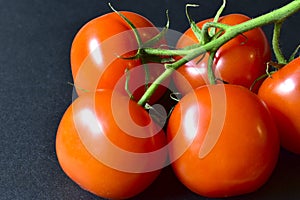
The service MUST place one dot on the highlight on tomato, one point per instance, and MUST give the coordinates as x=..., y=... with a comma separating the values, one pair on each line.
x=109, y=145
x=281, y=93
x=233, y=141
x=101, y=56
x=240, y=61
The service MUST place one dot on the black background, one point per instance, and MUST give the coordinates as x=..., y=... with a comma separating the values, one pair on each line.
x=35, y=41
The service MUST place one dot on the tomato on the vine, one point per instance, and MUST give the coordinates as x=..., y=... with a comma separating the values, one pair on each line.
x=109, y=145
x=102, y=55
x=281, y=92
x=239, y=61
x=227, y=143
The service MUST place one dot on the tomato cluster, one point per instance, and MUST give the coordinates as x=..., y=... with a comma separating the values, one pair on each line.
x=221, y=139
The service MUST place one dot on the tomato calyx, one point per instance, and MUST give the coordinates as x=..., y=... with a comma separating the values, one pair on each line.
x=204, y=35
x=293, y=56
x=136, y=34
x=207, y=34
x=140, y=54
x=197, y=31
x=271, y=68
x=141, y=45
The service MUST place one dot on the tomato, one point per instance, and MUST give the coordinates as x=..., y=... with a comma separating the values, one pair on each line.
x=109, y=145
x=281, y=92
x=240, y=61
x=97, y=51
x=227, y=143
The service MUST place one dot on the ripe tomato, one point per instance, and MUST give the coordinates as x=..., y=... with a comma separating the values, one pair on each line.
x=227, y=142
x=97, y=50
x=281, y=92
x=240, y=61
x=109, y=145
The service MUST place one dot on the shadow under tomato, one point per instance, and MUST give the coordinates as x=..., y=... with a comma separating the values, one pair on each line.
x=283, y=184
x=167, y=187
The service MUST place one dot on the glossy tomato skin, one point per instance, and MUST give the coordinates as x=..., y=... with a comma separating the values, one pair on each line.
x=98, y=155
x=97, y=51
x=243, y=147
x=281, y=92
x=240, y=61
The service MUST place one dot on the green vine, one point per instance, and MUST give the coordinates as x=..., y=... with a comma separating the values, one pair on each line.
x=275, y=43
x=209, y=41
x=230, y=32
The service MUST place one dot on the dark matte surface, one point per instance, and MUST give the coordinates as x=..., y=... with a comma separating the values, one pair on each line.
x=35, y=40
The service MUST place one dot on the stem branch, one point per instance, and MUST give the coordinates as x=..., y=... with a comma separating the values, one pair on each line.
x=275, y=43
x=210, y=71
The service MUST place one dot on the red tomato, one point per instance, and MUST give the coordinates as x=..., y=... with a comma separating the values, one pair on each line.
x=96, y=50
x=227, y=143
x=240, y=61
x=281, y=92
x=109, y=145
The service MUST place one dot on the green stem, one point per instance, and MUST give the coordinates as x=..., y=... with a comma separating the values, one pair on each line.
x=212, y=32
x=158, y=37
x=133, y=28
x=275, y=43
x=196, y=30
x=167, y=52
x=127, y=73
x=210, y=71
x=231, y=32
x=207, y=34
x=154, y=86
x=214, y=25
x=292, y=57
